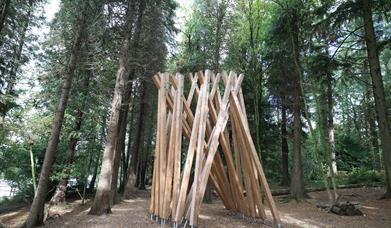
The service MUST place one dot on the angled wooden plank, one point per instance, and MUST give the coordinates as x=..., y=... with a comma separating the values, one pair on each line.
x=188, y=165
x=243, y=203
x=174, y=84
x=208, y=130
x=154, y=195
x=159, y=133
x=192, y=89
x=220, y=126
x=163, y=142
x=178, y=145
x=235, y=186
x=170, y=161
x=185, y=123
x=215, y=86
x=200, y=143
x=224, y=141
x=248, y=140
x=252, y=186
x=250, y=166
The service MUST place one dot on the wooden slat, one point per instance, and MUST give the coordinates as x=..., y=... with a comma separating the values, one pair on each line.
x=170, y=161
x=220, y=126
x=265, y=186
x=200, y=144
x=244, y=204
x=208, y=130
x=192, y=89
x=163, y=143
x=154, y=195
x=252, y=185
x=235, y=187
x=178, y=144
x=188, y=165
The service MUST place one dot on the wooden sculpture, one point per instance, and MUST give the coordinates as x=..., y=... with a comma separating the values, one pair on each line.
x=233, y=169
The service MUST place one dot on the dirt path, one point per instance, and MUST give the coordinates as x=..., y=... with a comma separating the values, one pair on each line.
x=134, y=213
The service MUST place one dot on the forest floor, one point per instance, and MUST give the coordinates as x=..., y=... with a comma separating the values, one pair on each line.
x=134, y=213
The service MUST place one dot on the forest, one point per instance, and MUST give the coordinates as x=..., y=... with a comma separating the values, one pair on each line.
x=80, y=110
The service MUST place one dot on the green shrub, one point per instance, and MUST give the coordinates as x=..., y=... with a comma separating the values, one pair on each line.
x=364, y=176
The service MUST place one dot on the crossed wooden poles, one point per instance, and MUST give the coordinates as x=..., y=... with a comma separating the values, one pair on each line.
x=234, y=170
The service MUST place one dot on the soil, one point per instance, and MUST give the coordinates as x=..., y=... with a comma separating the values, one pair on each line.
x=134, y=213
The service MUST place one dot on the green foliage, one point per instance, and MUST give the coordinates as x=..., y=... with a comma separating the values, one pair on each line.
x=351, y=152
x=364, y=176
x=17, y=47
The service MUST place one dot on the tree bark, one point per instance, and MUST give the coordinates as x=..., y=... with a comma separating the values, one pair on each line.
x=36, y=214
x=146, y=160
x=126, y=157
x=220, y=15
x=138, y=141
x=3, y=14
x=131, y=76
x=59, y=195
x=102, y=200
x=371, y=123
x=378, y=90
x=120, y=147
x=297, y=177
x=355, y=122
x=373, y=134
x=91, y=185
x=330, y=123
x=284, y=146
x=297, y=181
x=101, y=137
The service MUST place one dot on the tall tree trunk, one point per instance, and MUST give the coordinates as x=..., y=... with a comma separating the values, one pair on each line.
x=297, y=178
x=85, y=178
x=120, y=147
x=91, y=185
x=378, y=90
x=322, y=143
x=355, y=121
x=128, y=93
x=216, y=54
x=221, y=9
x=284, y=146
x=146, y=158
x=330, y=123
x=36, y=214
x=373, y=132
x=101, y=138
x=102, y=200
x=144, y=167
x=3, y=14
x=257, y=113
x=138, y=141
x=371, y=122
x=59, y=195
x=255, y=75
x=126, y=157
